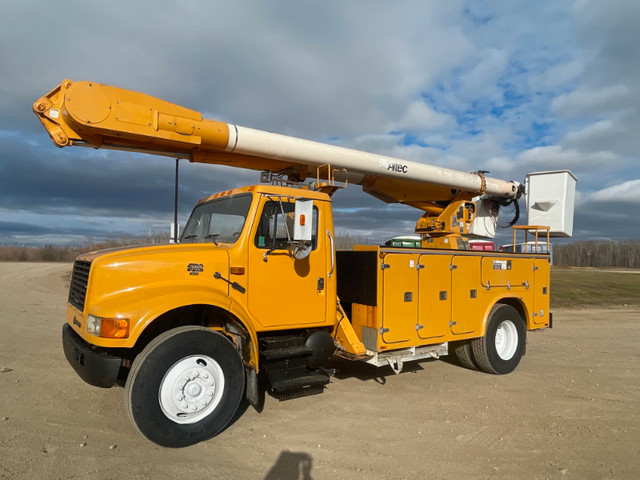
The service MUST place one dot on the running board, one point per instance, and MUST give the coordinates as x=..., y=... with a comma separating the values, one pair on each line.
x=292, y=394
x=282, y=382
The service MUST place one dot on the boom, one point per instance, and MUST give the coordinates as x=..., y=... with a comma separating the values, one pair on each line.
x=102, y=116
x=88, y=113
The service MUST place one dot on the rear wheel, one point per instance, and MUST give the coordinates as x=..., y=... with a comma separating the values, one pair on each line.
x=502, y=347
x=464, y=354
x=184, y=387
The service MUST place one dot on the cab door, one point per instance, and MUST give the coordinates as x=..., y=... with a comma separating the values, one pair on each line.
x=283, y=291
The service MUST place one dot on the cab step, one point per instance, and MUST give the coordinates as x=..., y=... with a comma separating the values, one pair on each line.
x=283, y=383
x=302, y=392
x=284, y=360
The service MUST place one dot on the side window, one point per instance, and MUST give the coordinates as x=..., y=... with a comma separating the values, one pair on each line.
x=273, y=227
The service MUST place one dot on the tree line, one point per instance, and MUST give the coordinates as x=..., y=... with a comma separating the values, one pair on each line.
x=52, y=253
x=597, y=254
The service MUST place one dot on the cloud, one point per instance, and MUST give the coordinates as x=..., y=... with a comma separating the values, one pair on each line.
x=624, y=192
x=558, y=76
x=556, y=157
x=590, y=101
x=483, y=79
x=596, y=220
x=611, y=134
x=420, y=117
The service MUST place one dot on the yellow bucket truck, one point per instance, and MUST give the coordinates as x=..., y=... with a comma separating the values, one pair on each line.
x=256, y=285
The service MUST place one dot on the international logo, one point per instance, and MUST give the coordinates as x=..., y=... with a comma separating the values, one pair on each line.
x=195, y=268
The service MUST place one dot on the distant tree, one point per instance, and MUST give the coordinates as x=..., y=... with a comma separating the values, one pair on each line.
x=598, y=254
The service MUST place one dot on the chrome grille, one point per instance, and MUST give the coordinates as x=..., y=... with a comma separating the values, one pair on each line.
x=79, y=281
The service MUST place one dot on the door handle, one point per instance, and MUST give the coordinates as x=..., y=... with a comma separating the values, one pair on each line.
x=333, y=253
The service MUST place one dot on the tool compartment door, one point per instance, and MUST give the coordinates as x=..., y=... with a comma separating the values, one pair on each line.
x=434, y=298
x=466, y=315
x=399, y=297
x=541, y=280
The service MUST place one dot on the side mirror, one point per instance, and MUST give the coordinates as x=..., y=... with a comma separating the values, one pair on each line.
x=302, y=229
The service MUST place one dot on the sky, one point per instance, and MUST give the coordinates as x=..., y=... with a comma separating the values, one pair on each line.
x=508, y=87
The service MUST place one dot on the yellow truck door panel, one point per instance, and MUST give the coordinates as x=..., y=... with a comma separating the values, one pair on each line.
x=434, y=298
x=284, y=291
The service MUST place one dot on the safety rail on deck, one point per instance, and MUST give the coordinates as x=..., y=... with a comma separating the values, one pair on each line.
x=330, y=185
x=535, y=230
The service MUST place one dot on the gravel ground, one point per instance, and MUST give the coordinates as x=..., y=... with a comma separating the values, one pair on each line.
x=570, y=410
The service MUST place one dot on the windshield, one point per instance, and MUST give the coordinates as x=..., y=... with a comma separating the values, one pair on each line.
x=219, y=220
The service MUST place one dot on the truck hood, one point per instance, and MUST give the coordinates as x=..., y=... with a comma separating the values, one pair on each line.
x=133, y=249
x=141, y=283
x=157, y=269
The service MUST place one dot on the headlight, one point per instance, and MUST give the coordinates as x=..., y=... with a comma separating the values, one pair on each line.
x=93, y=325
x=108, y=327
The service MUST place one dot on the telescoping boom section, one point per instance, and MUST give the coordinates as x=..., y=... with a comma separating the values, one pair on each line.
x=257, y=297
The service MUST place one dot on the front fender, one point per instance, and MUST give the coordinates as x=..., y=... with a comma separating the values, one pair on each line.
x=146, y=303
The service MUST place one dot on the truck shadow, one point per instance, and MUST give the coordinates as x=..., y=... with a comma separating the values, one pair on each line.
x=344, y=369
x=365, y=372
x=291, y=466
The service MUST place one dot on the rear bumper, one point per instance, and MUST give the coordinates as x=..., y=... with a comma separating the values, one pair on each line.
x=94, y=367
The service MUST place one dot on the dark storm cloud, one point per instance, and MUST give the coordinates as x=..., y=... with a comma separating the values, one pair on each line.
x=19, y=228
x=607, y=220
x=46, y=179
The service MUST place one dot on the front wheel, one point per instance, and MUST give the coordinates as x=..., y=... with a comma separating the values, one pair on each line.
x=184, y=387
x=502, y=347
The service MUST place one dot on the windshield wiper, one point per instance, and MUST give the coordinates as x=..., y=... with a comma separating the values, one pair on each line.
x=213, y=237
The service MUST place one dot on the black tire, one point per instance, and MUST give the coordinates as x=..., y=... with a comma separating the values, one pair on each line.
x=464, y=354
x=154, y=386
x=502, y=347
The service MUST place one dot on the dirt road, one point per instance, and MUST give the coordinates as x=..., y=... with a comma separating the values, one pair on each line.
x=570, y=410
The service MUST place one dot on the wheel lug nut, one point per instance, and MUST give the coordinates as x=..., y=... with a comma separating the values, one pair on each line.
x=180, y=397
x=185, y=406
x=194, y=408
